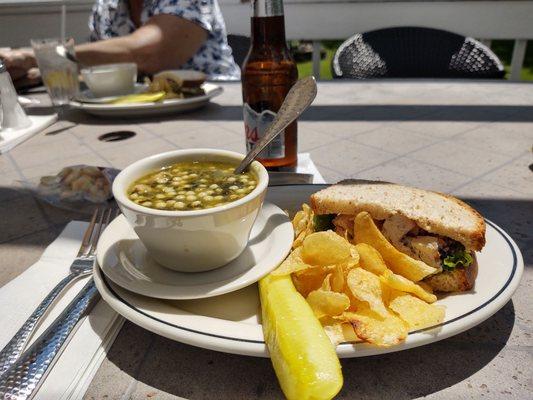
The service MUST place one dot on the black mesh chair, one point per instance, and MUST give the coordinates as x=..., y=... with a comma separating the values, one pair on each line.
x=410, y=52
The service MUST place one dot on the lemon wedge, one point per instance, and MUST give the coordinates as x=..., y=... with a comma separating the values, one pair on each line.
x=139, y=98
x=303, y=357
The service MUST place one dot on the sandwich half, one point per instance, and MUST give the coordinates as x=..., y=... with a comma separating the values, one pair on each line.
x=437, y=229
x=178, y=83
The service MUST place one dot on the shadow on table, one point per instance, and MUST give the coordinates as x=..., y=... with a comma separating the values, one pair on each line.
x=513, y=216
x=196, y=373
x=23, y=217
x=40, y=110
x=384, y=112
x=341, y=112
x=430, y=369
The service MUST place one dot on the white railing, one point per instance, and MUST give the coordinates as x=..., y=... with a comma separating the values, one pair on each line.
x=307, y=19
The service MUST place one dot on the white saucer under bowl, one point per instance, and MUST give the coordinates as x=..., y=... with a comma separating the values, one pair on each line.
x=125, y=261
x=86, y=96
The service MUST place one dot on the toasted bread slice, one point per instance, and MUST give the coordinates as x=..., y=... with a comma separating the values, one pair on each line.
x=457, y=280
x=434, y=212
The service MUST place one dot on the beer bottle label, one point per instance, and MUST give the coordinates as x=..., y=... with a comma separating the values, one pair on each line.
x=255, y=125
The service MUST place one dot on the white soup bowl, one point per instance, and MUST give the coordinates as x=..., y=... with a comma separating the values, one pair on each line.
x=197, y=240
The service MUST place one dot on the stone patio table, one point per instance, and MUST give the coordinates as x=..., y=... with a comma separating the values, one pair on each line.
x=469, y=138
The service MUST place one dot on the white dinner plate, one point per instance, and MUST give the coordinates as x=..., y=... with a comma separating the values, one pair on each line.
x=125, y=261
x=230, y=323
x=134, y=110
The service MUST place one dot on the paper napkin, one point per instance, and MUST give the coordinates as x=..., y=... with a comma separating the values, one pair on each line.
x=13, y=137
x=307, y=166
x=77, y=365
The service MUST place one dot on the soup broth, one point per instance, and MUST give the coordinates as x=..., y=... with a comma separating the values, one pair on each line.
x=191, y=186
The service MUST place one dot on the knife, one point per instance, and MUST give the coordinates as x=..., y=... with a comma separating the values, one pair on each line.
x=25, y=376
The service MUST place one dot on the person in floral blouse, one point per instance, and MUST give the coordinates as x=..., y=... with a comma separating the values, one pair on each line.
x=155, y=34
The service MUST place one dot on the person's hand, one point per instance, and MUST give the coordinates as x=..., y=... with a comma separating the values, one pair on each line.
x=20, y=64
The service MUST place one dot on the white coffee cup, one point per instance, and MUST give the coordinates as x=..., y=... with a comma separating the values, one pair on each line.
x=111, y=79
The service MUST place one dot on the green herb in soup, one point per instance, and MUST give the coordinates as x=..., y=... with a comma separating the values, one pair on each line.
x=191, y=186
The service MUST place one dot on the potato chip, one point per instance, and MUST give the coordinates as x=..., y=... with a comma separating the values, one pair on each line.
x=387, y=293
x=350, y=287
x=370, y=259
x=325, y=248
x=417, y=313
x=355, y=303
x=326, y=284
x=372, y=328
x=349, y=333
x=301, y=219
x=398, y=282
x=337, y=280
x=367, y=232
x=340, y=332
x=350, y=263
x=293, y=263
x=354, y=255
x=302, y=224
x=334, y=333
x=327, y=303
x=366, y=286
x=310, y=279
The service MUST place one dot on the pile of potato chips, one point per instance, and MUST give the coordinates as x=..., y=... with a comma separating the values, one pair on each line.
x=364, y=291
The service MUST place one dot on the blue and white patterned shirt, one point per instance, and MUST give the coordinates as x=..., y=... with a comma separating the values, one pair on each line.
x=111, y=18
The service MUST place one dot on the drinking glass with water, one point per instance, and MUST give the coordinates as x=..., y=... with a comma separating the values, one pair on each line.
x=60, y=75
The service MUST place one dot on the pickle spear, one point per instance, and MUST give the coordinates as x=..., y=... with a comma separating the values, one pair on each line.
x=139, y=98
x=303, y=357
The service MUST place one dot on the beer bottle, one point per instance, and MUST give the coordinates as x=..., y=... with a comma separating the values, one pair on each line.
x=268, y=73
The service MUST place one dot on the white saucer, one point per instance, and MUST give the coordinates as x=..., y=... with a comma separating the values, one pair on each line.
x=86, y=96
x=125, y=261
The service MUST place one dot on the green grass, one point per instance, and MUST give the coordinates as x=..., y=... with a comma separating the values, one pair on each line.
x=306, y=68
x=502, y=48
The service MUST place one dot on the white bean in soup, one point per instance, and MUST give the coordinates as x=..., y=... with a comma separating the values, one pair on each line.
x=187, y=186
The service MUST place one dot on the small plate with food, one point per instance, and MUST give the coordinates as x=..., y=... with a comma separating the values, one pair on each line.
x=374, y=268
x=79, y=188
x=168, y=92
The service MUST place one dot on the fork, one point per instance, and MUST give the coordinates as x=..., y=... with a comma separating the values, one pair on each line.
x=80, y=267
